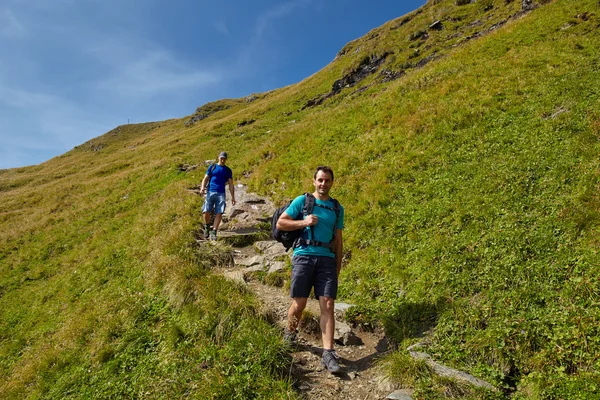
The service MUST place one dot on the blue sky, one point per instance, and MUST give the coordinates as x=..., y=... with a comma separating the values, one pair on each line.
x=72, y=70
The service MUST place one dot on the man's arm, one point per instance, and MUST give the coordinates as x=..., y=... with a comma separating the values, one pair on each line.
x=338, y=247
x=287, y=223
x=232, y=191
x=204, y=184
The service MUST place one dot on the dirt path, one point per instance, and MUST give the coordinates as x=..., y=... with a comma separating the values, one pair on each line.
x=360, y=378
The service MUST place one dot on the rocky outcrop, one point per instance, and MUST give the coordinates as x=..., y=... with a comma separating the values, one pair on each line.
x=447, y=372
x=368, y=66
x=186, y=167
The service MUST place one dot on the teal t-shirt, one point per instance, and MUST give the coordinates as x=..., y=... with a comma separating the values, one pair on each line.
x=323, y=230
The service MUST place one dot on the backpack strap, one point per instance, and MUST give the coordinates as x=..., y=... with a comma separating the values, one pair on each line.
x=211, y=168
x=210, y=171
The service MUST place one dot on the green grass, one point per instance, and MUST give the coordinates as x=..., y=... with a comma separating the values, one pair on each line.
x=471, y=193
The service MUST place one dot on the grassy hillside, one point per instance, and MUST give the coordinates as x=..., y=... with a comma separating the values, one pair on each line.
x=466, y=158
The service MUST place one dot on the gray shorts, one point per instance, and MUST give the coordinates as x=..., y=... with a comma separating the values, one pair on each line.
x=319, y=272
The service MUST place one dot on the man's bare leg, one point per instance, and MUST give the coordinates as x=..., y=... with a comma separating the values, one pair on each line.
x=295, y=312
x=217, y=221
x=327, y=321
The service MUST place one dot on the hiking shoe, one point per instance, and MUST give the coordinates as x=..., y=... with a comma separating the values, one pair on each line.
x=329, y=361
x=213, y=235
x=206, y=231
x=290, y=337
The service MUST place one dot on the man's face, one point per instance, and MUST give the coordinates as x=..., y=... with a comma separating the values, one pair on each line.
x=323, y=183
x=222, y=160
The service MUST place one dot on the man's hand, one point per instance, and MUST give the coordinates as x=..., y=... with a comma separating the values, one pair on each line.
x=311, y=220
x=233, y=202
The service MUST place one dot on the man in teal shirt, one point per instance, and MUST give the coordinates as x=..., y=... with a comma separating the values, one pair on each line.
x=317, y=260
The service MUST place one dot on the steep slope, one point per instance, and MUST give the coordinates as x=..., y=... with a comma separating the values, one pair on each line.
x=465, y=153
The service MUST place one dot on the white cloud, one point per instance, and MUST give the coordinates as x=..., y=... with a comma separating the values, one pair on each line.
x=21, y=98
x=10, y=26
x=153, y=73
x=43, y=123
x=222, y=28
x=281, y=11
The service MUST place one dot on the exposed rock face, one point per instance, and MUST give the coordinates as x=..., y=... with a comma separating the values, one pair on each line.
x=527, y=5
x=196, y=118
x=250, y=99
x=368, y=66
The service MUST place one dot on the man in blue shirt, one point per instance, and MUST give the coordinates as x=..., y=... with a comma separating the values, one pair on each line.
x=317, y=260
x=216, y=178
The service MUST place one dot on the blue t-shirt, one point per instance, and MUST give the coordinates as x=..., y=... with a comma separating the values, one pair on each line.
x=220, y=176
x=323, y=230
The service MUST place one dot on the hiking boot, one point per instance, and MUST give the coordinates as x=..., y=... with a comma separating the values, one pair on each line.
x=329, y=361
x=290, y=337
x=206, y=231
x=213, y=235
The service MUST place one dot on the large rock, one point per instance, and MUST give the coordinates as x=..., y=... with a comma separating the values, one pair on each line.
x=271, y=249
x=448, y=372
x=345, y=336
x=275, y=266
x=252, y=261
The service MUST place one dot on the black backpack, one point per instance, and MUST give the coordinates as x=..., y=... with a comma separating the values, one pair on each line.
x=294, y=238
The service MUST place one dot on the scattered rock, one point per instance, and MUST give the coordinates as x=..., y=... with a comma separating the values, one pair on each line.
x=246, y=122
x=187, y=167
x=556, y=113
x=436, y=26
x=402, y=394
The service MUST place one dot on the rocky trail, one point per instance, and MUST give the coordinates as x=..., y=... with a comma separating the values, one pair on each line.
x=246, y=228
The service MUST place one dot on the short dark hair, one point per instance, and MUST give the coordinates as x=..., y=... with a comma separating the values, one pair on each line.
x=324, y=169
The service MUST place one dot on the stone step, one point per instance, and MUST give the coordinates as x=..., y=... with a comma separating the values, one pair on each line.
x=243, y=237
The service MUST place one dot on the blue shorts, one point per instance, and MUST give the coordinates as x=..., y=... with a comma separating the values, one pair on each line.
x=319, y=272
x=214, y=200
